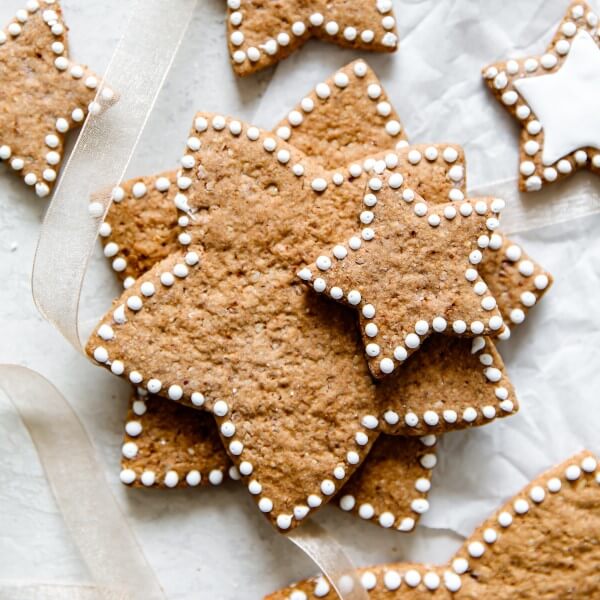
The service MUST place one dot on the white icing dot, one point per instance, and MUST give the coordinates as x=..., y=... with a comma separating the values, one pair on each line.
x=392, y=580
x=431, y=581
x=366, y=511
x=460, y=565
x=521, y=506
x=573, y=472
x=412, y=578
x=476, y=549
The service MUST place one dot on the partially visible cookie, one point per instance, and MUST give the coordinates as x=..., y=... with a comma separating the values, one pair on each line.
x=554, y=97
x=515, y=280
x=141, y=227
x=261, y=33
x=392, y=485
x=542, y=545
x=44, y=94
x=169, y=445
x=344, y=119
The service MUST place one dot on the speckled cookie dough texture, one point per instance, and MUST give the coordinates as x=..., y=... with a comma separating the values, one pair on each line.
x=555, y=98
x=225, y=326
x=544, y=544
x=262, y=32
x=44, y=94
x=143, y=227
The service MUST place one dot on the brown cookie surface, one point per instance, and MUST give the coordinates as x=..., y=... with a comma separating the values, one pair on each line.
x=44, y=94
x=228, y=328
x=543, y=544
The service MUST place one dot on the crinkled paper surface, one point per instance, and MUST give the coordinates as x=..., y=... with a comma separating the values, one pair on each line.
x=213, y=542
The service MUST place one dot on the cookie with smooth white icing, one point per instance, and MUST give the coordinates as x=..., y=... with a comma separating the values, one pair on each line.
x=554, y=97
x=260, y=33
x=44, y=94
x=543, y=544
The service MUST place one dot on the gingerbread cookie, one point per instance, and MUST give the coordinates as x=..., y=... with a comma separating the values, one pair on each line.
x=261, y=34
x=543, y=544
x=433, y=169
x=224, y=327
x=44, y=93
x=554, y=97
x=410, y=271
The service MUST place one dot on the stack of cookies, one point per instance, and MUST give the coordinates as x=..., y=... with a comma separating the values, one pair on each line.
x=244, y=270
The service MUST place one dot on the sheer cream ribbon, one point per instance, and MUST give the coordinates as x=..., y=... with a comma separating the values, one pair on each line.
x=103, y=151
x=115, y=563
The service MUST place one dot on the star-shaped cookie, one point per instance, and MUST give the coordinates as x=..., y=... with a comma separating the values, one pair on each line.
x=554, y=97
x=168, y=445
x=44, y=93
x=541, y=544
x=261, y=34
x=411, y=270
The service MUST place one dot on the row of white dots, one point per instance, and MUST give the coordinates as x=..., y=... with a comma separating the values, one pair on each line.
x=299, y=29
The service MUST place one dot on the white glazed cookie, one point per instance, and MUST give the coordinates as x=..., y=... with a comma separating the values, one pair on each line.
x=555, y=98
x=261, y=33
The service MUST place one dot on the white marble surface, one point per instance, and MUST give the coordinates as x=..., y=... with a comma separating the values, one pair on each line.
x=213, y=543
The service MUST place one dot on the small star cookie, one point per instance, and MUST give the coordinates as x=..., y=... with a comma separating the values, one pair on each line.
x=411, y=271
x=262, y=33
x=555, y=97
x=44, y=93
x=541, y=544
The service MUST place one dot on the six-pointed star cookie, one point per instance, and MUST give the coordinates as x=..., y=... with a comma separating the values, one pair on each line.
x=226, y=327
x=263, y=33
x=411, y=271
x=555, y=97
x=44, y=94
x=543, y=544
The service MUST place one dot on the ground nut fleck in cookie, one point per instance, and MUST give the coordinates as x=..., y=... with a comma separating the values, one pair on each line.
x=262, y=33
x=543, y=544
x=44, y=94
x=554, y=96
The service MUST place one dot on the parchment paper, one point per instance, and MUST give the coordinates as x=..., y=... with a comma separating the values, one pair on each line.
x=213, y=543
